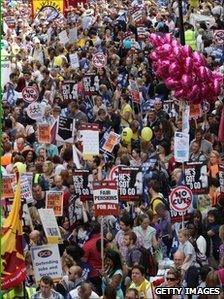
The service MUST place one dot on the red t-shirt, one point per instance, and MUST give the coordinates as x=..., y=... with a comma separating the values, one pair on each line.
x=93, y=256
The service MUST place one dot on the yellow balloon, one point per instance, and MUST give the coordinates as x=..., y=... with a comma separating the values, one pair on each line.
x=146, y=134
x=58, y=61
x=127, y=134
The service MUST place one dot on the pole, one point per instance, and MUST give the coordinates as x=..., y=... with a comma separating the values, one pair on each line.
x=102, y=244
x=181, y=23
x=182, y=220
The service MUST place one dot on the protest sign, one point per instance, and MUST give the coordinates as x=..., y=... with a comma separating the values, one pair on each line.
x=69, y=89
x=135, y=94
x=185, y=119
x=65, y=129
x=54, y=200
x=90, y=139
x=136, y=15
x=91, y=84
x=26, y=191
x=180, y=199
x=74, y=62
x=221, y=177
x=28, y=176
x=76, y=160
x=8, y=180
x=196, y=177
x=46, y=261
x=35, y=111
x=99, y=60
x=195, y=111
x=47, y=8
x=50, y=226
x=83, y=183
x=219, y=37
x=142, y=32
x=130, y=183
x=63, y=37
x=73, y=33
x=44, y=133
x=30, y=94
x=105, y=197
x=181, y=147
x=75, y=209
x=5, y=71
x=111, y=140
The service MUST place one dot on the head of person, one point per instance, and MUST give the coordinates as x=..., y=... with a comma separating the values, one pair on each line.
x=58, y=182
x=20, y=143
x=161, y=210
x=47, y=111
x=74, y=273
x=109, y=292
x=134, y=125
x=139, y=183
x=14, y=78
x=176, y=175
x=137, y=274
x=152, y=115
x=37, y=191
x=130, y=239
x=183, y=235
x=74, y=251
x=198, y=135
x=102, y=114
x=214, y=157
x=197, y=217
x=212, y=279
x=158, y=132
x=178, y=259
x=131, y=293
x=29, y=155
x=34, y=236
x=74, y=107
x=212, y=216
x=196, y=147
x=27, y=75
x=48, y=167
x=85, y=290
x=144, y=221
x=221, y=232
x=154, y=186
x=204, y=272
x=158, y=105
x=113, y=260
x=126, y=223
x=46, y=286
x=173, y=277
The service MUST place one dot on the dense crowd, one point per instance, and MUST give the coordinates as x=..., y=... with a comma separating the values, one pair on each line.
x=145, y=246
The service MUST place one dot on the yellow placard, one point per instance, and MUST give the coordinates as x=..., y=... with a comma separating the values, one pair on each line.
x=47, y=7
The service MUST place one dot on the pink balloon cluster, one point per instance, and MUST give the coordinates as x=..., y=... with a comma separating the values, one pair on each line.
x=185, y=72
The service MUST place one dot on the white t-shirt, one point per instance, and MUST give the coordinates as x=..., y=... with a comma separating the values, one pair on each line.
x=74, y=294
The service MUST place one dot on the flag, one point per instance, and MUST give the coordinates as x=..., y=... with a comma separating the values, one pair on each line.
x=12, y=258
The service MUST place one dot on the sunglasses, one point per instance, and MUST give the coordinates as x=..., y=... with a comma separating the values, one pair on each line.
x=170, y=279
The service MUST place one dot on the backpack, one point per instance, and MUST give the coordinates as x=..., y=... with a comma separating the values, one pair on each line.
x=163, y=200
x=148, y=261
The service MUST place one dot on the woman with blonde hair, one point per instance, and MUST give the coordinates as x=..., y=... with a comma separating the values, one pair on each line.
x=213, y=174
x=48, y=172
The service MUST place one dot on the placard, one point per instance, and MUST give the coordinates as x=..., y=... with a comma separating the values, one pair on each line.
x=35, y=111
x=69, y=89
x=181, y=199
x=90, y=139
x=51, y=9
x=65, y=129
x=219, y=37
x=83, y=183
x=50, y=226
x=74, y=62
x=195, y=111
x=30, y=94
x=181, y=147
x=8, y=180
x=46, y=260
x=130, y=183
x=196, y=177
x=29, y=177
x=105, y=197
x=73, y=33
x=26, y=191
x=54, y=200
x=91, y=84
x=111, y=141
x=63, y=37
x=44, y=133
x=221, y=177
x=5, y=71
x=135, y=94
x=99, y=60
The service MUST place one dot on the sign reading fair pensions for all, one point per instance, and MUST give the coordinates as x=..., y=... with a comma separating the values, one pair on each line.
x=105, y=198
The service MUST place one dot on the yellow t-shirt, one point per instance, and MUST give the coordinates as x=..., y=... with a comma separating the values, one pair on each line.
x=124, y=109
x=144, y=288
x=154, y=202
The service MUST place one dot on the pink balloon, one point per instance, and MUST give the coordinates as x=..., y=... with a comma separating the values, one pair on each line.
x=174, y=68
x=175, y=43
x=168, y=38
x=202, y=73
x=204, y=90
x=186, y=81
x=188, y=65
x=156, y=40
x=177, y=51
x=172, y=84
x=181, y=93
x=199, y=60
x=193, y=93
x=187, y=51
x=197, y=101
x=153, y=56
x=217, y=87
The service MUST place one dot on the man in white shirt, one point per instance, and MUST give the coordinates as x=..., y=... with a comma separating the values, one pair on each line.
x=84, y=291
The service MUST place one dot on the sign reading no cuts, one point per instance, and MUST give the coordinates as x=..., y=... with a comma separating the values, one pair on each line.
x=181, y=199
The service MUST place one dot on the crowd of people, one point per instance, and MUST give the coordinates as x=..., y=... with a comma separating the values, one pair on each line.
x=145, y=246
